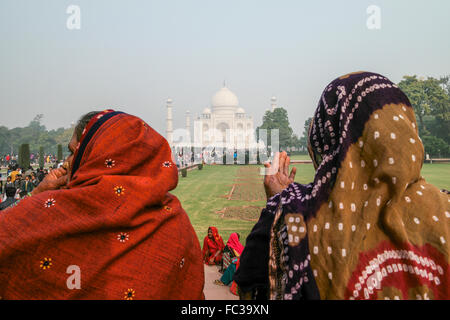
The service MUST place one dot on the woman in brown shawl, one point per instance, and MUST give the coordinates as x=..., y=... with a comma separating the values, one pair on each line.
x=369, y=226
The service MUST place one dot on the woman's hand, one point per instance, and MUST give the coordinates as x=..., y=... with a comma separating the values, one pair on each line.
x=54, y=180
x=277, y=177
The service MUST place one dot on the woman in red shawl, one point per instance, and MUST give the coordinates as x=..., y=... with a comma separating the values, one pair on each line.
x=233, y=249
x=106, y=227
x=213, y=247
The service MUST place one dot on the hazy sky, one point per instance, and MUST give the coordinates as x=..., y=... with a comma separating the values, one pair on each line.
x=133, y=55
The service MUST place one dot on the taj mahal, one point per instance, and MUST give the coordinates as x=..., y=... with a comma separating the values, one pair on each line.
x=224, y=124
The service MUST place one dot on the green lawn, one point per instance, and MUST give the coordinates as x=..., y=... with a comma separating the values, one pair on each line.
x=301, y=157
x=201, y=195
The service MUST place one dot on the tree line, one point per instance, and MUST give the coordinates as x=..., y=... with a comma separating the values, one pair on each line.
x=36, y=136
x=430, y=99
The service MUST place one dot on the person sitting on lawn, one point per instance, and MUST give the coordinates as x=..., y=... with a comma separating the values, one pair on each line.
x=227, y=278
x=232, y=250
x=213, y=247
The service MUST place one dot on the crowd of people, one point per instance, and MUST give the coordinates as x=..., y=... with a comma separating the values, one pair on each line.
x=368, y=226
x=19, y=183
x=12, y=159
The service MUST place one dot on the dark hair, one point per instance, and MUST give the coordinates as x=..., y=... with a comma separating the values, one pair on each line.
x=10, y=191
x=83, y=122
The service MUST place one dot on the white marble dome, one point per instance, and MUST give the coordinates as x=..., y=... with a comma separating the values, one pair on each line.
x=224, y=98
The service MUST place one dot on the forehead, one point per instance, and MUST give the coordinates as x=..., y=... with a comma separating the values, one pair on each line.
x=73, y=141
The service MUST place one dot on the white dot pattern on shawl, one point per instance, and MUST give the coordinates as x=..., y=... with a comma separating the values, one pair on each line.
x=413, y=157
x=447, y=214
x=416, y=220
x=419, y=193
x=412, y=140
x=408, y=199
x=327, y=225
x=435, y=218
x=442, y=240
x=329, y=250
x=330, y=160
x=330, y=276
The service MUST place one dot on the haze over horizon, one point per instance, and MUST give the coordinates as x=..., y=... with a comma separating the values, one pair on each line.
x=133, y=55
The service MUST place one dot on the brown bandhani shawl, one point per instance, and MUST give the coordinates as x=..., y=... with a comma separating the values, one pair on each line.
x=117, y=224
x=369, y=226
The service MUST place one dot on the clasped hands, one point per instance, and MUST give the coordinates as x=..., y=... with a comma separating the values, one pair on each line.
x=54, y=180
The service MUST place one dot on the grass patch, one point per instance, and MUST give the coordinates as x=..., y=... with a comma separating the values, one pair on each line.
x=204, y=195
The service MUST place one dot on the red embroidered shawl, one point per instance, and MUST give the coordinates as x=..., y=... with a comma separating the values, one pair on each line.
x=116, y=222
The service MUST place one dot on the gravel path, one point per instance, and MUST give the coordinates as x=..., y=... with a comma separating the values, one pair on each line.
x=213, y=291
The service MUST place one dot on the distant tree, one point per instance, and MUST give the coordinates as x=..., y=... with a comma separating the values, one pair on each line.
x=304, y=138
x=435, y=147
x=60, y=153
x=277, y=119
x=430, y=100
x=41, y=157
x=24, y=156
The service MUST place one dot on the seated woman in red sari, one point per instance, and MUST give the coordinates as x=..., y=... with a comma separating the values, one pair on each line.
x=232, y=250
x=213, y=247
x=94, y=229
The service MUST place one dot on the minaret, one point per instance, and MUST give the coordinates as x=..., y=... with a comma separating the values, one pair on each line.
x=274, y=103
x=188, y=124
x=169, y=130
